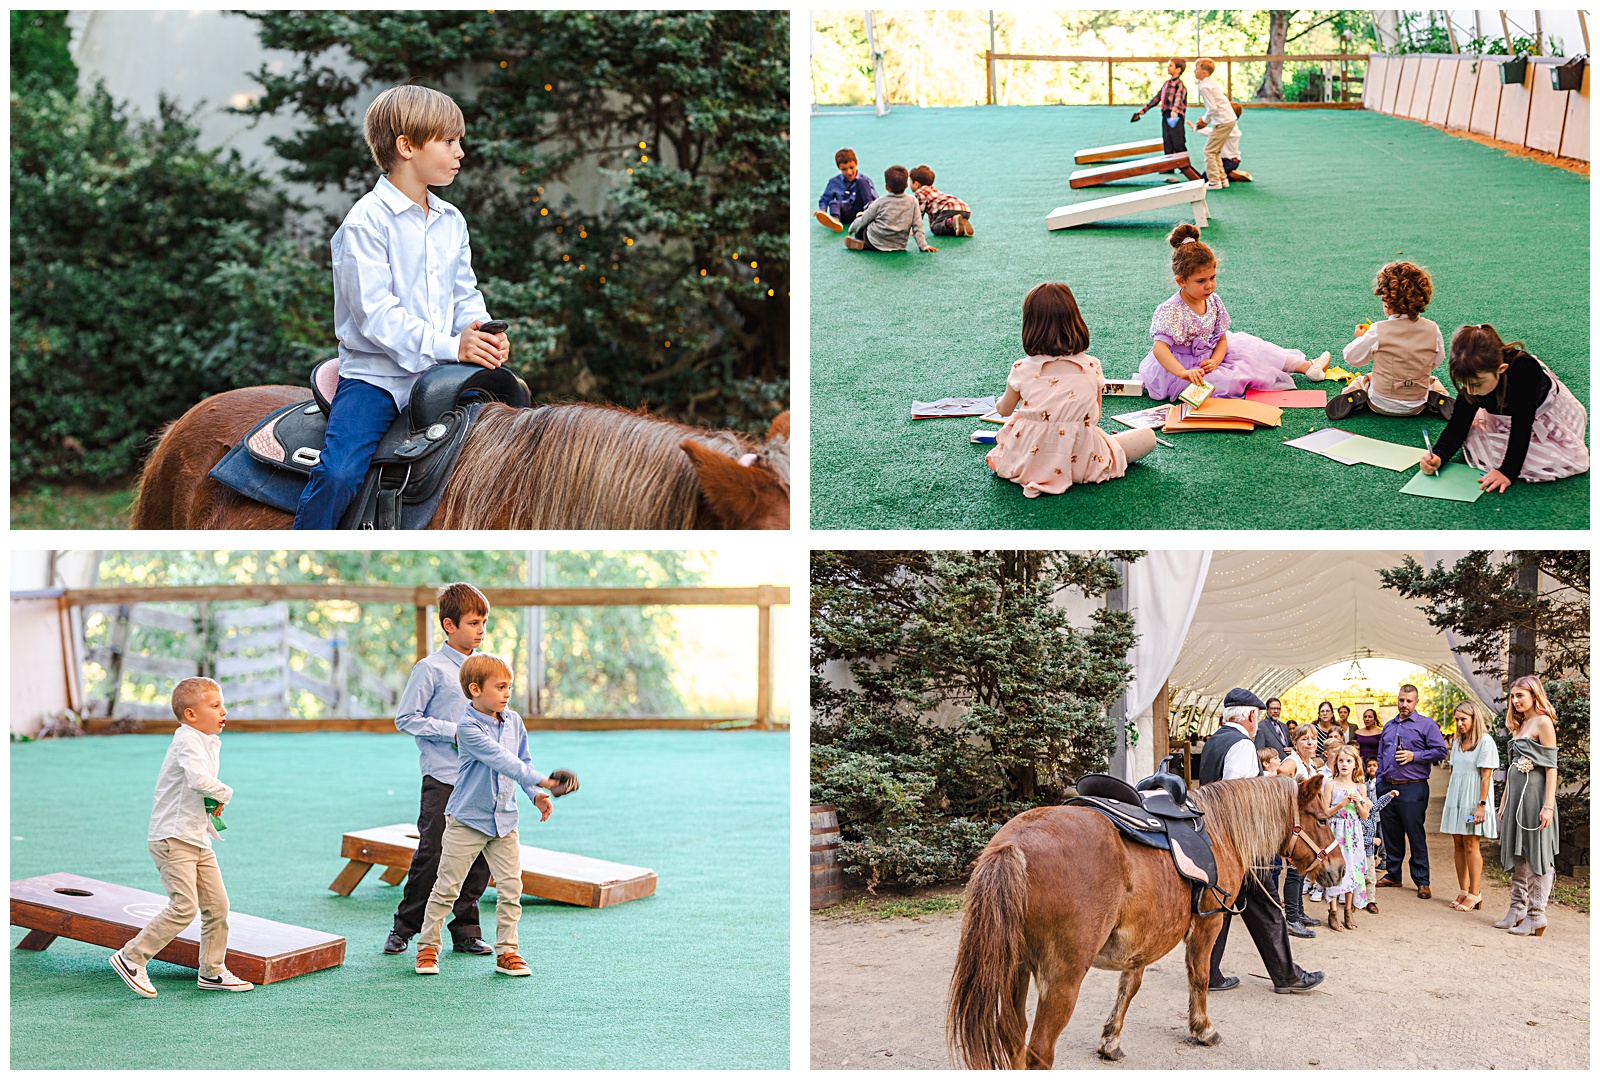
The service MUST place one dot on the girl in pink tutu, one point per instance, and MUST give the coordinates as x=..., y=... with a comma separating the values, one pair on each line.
x=1192, y=343
x=1513, y=418
x=1052, y=403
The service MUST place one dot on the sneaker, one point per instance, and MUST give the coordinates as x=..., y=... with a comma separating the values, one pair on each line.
x=135, y=977
x=226, y=981
x=1214, y=185
x=511, y=964
x=427, y=960
x=853, y=244
x=828, y=221
x=396, y=943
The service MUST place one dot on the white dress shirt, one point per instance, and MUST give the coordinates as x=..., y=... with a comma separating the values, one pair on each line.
x=1215, y=99
x=1230, y=148
x=1241, y=760
x=403, y=288
x=188, y=776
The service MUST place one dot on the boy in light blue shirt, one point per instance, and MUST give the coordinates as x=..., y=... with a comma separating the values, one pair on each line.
x=428, y=711
x=404, y=294
x=481, y=816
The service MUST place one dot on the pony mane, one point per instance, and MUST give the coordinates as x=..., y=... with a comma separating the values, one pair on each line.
x=579, y=467
x=1253, y=813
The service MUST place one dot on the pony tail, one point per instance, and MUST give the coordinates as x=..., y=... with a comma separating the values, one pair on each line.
x=1190, y=254
x=982, y=1025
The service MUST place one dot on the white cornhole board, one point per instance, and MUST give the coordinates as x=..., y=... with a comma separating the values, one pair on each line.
x=1137, y=148
x=1192, y=192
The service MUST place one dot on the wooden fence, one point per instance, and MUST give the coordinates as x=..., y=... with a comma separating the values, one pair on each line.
x=135, y=599
x=1345, y=96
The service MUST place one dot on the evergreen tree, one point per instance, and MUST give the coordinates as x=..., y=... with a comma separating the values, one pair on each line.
x=971, y=697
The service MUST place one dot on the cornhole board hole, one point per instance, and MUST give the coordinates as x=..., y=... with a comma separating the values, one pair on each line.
x=1104, y=174
x=83, y=909
x=1138, y=148
x=1192, y=192
x=553, y=875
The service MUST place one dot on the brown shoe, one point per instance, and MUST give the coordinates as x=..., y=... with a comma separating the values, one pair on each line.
x=510, y=964
x=1385, y=883
x=828, y=221
x=1424, y=893
x=427, y=960
x=853, y=244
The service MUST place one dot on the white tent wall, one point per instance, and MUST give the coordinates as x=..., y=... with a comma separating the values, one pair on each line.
x=44, y=671
x=1163, y=591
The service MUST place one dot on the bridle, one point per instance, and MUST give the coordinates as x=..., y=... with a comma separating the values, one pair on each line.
x=1321, y=854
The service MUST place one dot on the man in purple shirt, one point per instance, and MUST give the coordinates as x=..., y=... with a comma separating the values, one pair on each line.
x=1407, y=748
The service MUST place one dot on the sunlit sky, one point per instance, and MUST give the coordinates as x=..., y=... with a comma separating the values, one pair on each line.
x=1379, y=672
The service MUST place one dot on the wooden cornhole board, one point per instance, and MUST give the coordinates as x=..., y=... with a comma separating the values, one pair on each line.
x=1104, y=174
x=1137, y=148
x=1192, y=192
x=259, y=950
x=553, y=875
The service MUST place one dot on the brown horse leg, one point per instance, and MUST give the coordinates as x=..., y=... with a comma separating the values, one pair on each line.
x=1202, y=937
x=1019, y=1005
x=1111, y=1034
x=1058, y=997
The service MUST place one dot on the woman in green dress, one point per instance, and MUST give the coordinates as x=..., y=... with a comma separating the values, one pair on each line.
x=1466, y=818
x=1528, y=834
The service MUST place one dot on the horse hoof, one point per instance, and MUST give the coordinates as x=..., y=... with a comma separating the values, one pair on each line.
x=1211, y=1039
x=1114, y=1054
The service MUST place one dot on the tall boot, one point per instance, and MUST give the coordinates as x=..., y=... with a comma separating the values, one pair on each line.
x=1520, y=877
x=1539, y=887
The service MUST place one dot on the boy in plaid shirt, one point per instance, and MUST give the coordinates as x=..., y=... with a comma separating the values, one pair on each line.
x=1172, y=98
x=947, y=215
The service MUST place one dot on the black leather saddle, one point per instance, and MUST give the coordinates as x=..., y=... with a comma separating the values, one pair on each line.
x=1157, y=812
x=415, y=456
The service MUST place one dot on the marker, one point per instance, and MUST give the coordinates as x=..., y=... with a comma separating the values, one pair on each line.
x=1165, y=443
x=1426, y=445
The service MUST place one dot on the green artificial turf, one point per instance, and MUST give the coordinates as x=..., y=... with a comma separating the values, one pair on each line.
x=696, y=976
x=1336, y=195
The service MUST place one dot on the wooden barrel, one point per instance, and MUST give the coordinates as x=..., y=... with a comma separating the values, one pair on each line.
x=827, y=887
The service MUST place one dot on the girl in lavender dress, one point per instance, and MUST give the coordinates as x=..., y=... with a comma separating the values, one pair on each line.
x=1348, y=807
x=1192, y=342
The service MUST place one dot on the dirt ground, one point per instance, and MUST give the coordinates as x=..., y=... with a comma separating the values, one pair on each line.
x=1417, y=986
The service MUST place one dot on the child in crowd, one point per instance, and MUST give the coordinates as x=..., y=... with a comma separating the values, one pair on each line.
x=947, y=215
x=1219, y=116
x=1513, y=417
x=1192, y=343
x=1369, y=826
x=885, y=225
x=1172, y=99
x=428, y=711
x=404, y=295
x=1269, y=760
x=846, y=195
x=1348, y=807
x=180, y=843
x=1404, y=349
x=481, y=816
x=1050, y=440
x=1230, y=149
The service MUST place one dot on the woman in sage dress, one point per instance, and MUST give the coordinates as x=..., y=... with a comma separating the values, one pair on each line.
x=1528, y=827
x=1466, y=817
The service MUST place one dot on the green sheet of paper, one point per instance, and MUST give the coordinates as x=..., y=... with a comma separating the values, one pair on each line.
x=1385, y=455
x=1455, y=481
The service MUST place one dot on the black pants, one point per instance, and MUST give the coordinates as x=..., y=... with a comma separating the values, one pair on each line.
x=1294, y=897
x=1267, y=928
x=1401, y=821
x=425, y=869
x=944, y=223
x=1173, y=140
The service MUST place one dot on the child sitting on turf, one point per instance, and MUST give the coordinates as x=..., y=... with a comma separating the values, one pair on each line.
x=404, y=295
x=1172, y=98
x=1230, y=149
x=180, y=843
x=481, y=816
x=429, y=709
x=1513, y=416
x=947, y=215
x=1404, y=349
x=1192, y=343
x=1052, y=403
x=891, y=218
x=846, y=195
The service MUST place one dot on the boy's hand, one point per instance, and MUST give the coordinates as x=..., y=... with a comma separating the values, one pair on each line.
x=542, y=801
x=485, y=350
x=217, y=810
x=930, y=249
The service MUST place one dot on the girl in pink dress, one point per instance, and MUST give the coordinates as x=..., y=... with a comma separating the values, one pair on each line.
x=1052, y=404
x=1192, y=343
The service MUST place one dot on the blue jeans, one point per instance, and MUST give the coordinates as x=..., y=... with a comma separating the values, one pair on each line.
x=359, y=416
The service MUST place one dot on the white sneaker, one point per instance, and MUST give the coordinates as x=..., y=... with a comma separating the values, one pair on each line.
x=1319, y=368
x=1213, y=185
x=226, y=981
x=135, y=977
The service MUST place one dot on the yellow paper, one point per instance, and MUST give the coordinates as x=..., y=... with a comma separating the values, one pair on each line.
x=1385, y=455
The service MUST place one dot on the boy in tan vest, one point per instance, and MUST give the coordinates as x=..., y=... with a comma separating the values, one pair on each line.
x=1404, y=349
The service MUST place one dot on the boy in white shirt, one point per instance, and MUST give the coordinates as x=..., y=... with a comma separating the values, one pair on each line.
x=180, y=842
x=404, y=294
x=1219, y=116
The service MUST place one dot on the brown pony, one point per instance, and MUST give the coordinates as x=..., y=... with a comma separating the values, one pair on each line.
x=1058, y=891
x=553, y=467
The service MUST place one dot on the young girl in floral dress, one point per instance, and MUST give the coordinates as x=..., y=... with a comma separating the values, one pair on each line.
x=1192, y=342
x=1348, y=807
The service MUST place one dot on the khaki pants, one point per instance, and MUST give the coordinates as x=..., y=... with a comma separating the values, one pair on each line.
x=460, y=845
x=193, y=882
x=1214, y=142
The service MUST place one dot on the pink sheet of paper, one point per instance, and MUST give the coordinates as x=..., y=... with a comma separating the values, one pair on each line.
x=1289, y=399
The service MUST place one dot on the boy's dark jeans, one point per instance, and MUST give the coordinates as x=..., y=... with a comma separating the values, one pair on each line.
x=425, y=869
x=944, y=222
x=357, y=419
x=1172, y=138
x=845, y=210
